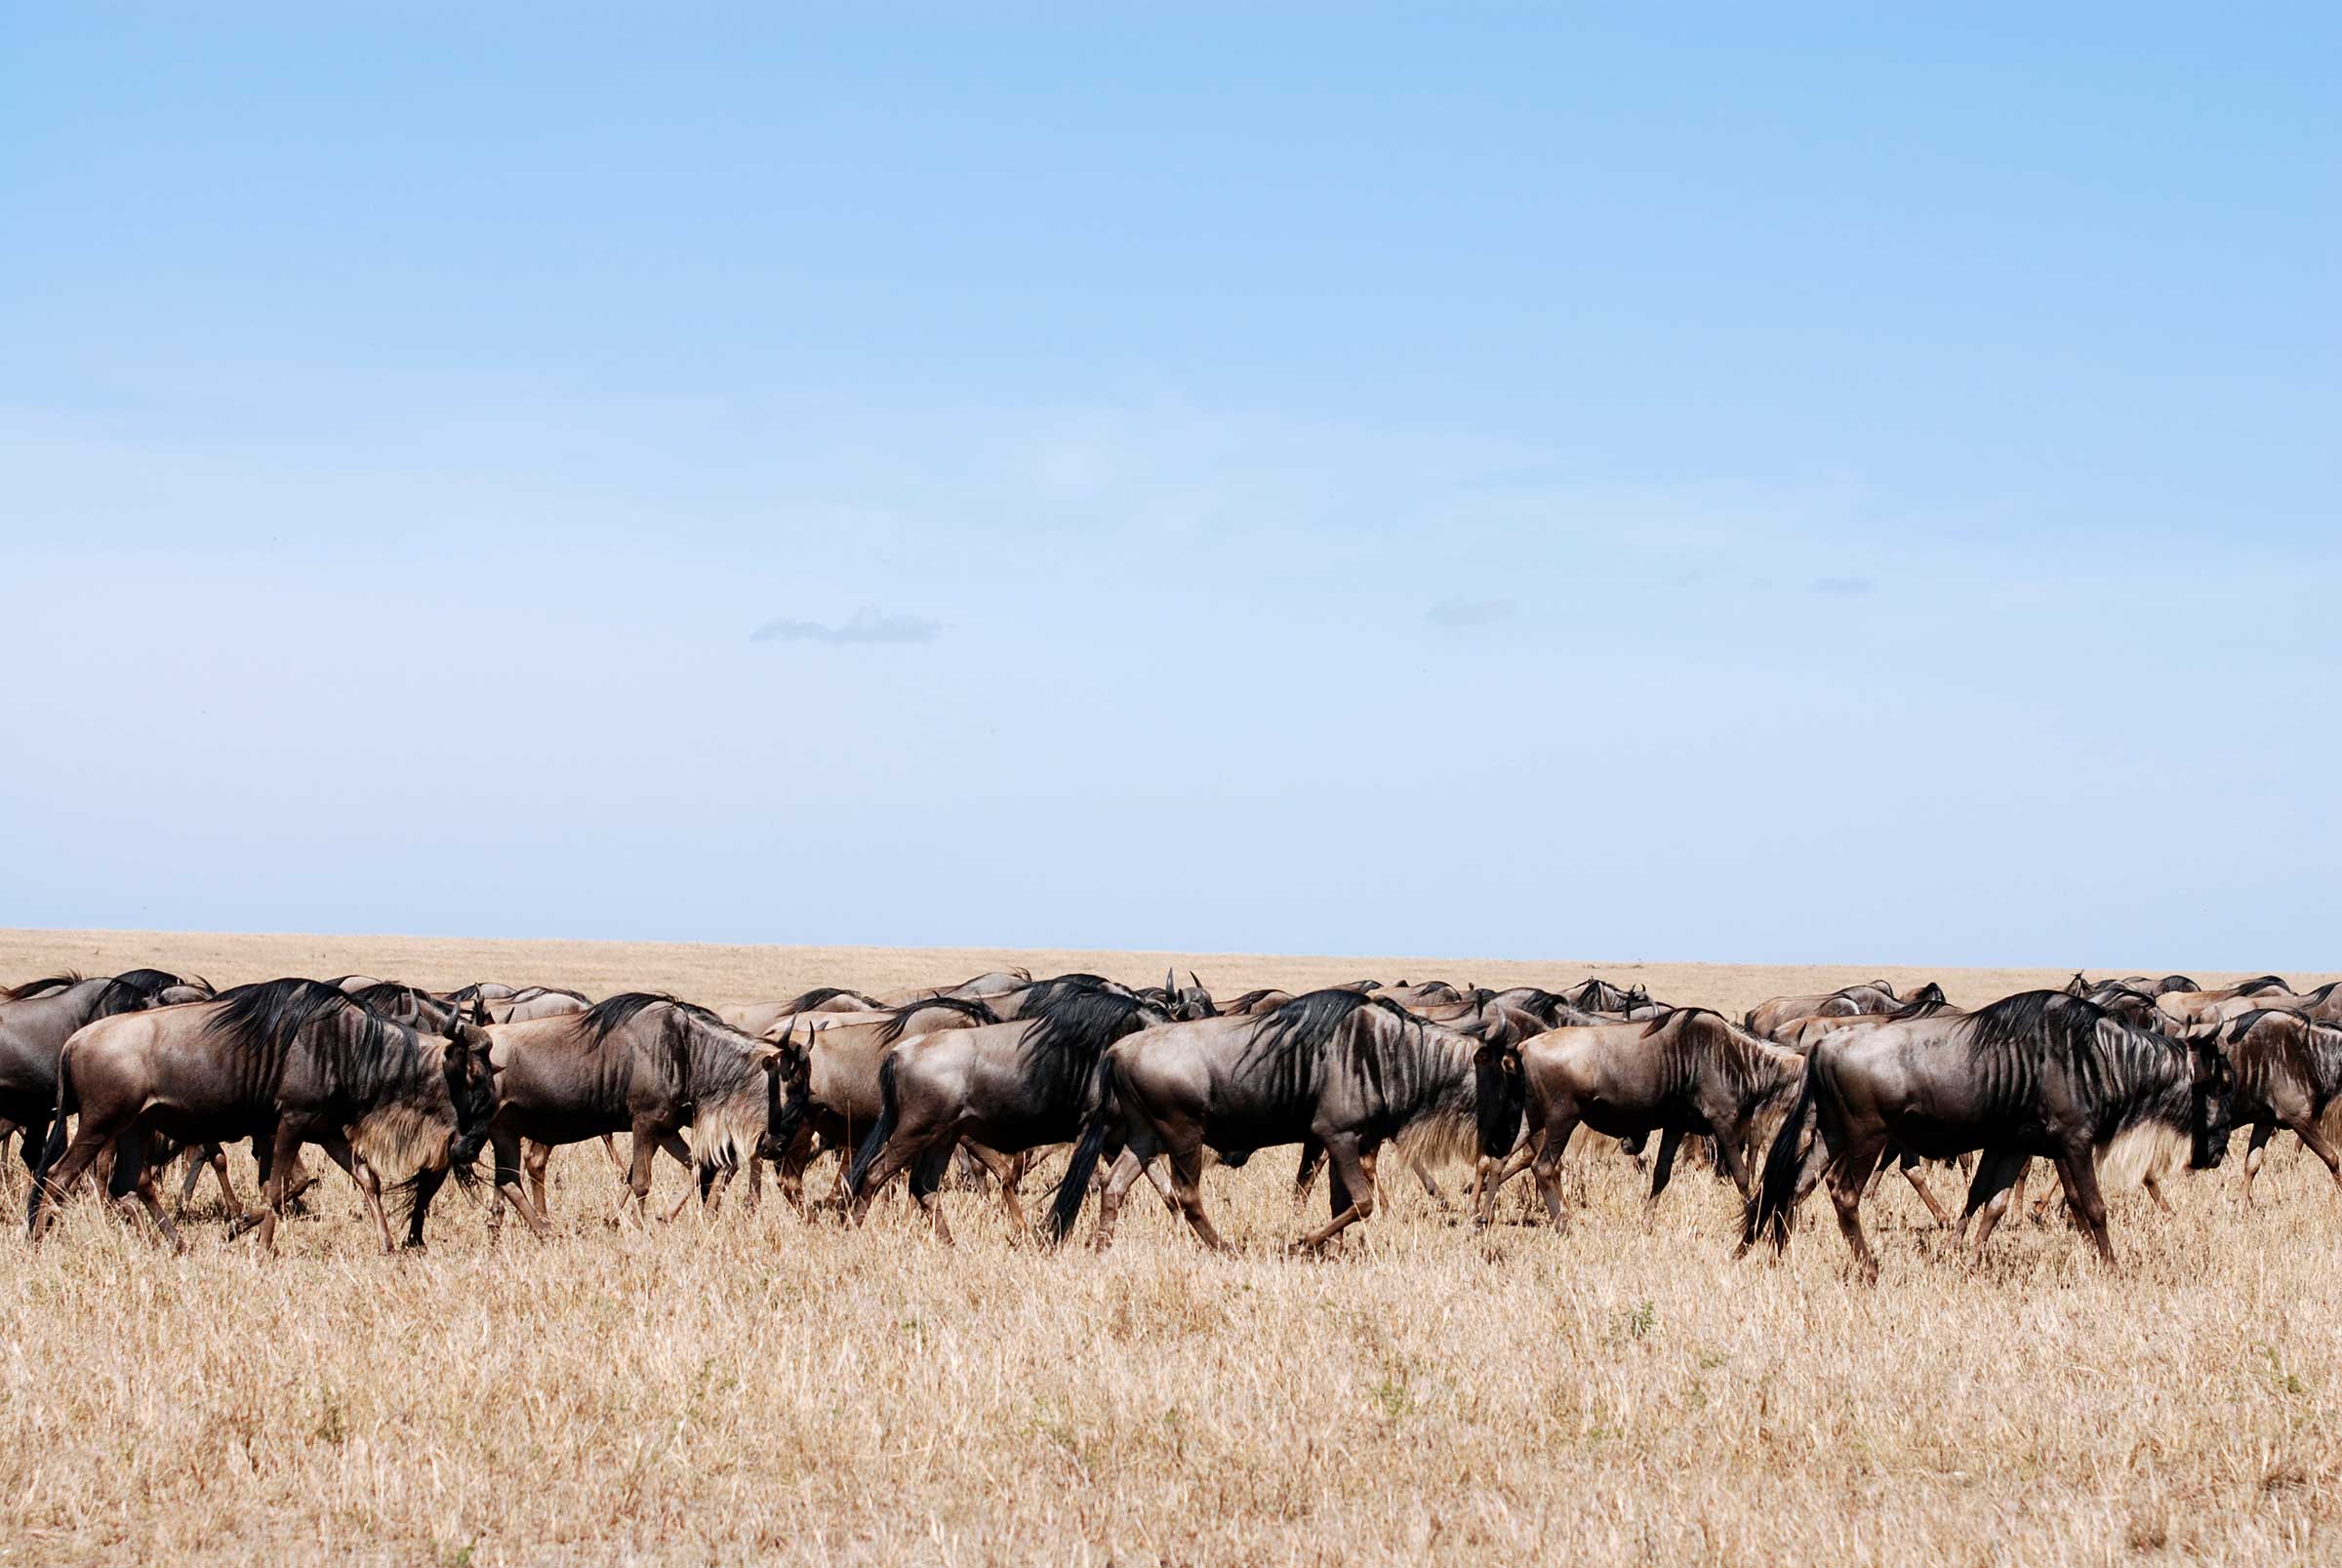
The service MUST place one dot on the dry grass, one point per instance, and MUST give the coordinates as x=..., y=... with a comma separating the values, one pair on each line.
x=753, y=1386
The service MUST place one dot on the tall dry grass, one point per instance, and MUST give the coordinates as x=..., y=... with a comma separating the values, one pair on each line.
x=754, y=1386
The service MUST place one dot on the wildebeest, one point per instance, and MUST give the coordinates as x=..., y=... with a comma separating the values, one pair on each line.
x=1688, y=1072
x=829, y=1067
x=37, y=1017
x=640, y=1062
x=1594, y=995
x=2035, y=1074
x=1769, y=1018
x=758, y=1017
x=1009, y=1087
x=285, y=1061
x=1343, y=1069
x=2288, y=1072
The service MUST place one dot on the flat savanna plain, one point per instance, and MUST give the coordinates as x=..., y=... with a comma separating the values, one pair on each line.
x=754, y=1386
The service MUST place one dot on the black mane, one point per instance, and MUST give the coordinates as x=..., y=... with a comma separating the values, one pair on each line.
x=824, y=993
x=605, y=1018
x=2066, y=1024
x=64, y=979
x=133, y=990
x=1060, y=1049
x=973, y=1008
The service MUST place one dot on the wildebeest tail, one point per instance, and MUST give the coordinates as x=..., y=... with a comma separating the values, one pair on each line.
x=880, y=1130
x=1066, y=1208
x=1498, y=1098
x=53, y=1149
x=1778, y=1190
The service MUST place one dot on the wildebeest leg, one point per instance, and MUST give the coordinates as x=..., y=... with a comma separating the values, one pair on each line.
x=534, y=1158
x=508, y=1190
x=2155, y=1190
x=1186, y=1177
x=1732, y=1160
x=610, y=1147
x=1003, y=1171
x=1664, y=1165
x=788, y=1171
x=1546, y=1166
x=1313, y=1160
x=1918, y=1184
x=926, y=1183
x=1849, y=1178
x=427, y=1182
x=1430, y=1187
x=284, y=1148
x=88, y=1141
x=370, y=1186
x=2081, y=1174
x=1992, y=1191
x=646, y=1138
x=2016, y=1191
x=2255, y=1153
x=135, y=1173
x=2314, y=1141
x=1354, y=1165
x=701, y=1179
x=1128, y=1167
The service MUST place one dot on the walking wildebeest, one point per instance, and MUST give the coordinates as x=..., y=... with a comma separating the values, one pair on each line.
x=2288, y=1072
x=1343, y=1069
x=830, y=1095
x=758, y=1017
x=1769, y=1018
x=37, y=1017
x=287, y=1061
x=2035, y=1074
x=1686, y=1073
x=642, y=1063
x=1009, y=1087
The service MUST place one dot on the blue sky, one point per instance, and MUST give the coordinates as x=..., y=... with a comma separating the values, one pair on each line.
x=1804, y=484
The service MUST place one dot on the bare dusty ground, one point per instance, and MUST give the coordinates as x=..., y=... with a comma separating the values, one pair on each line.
x=754, y=1385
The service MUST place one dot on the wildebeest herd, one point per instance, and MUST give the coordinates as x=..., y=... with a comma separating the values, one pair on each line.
x=111, y=1079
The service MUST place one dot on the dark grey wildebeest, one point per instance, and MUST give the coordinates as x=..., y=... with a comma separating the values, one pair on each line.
x=830, y=1096
x=2040, y=1073
x=1008, y=1087
x=642, y=1063
x=1349, y=1071
x=2288, y=1072
x=37, y=1017
x=1688, y=1072
x=285, y=1062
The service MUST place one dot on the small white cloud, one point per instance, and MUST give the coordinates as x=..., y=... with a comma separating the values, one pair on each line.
x=1457, y=615
x=867, y=625
x=1845, y=587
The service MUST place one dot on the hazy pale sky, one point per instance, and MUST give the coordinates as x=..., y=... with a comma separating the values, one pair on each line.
x=1775, y=484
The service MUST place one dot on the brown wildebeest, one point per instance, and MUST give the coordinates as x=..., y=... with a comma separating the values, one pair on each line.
x=1345, y=1070
x=2200, y=1009
x=2288, y=1072
x=1593, y=994
x=642, y=1063
x=289, y=1061
x=37, y=1017
x=2039, y=1074
x=758, y=1017
x=1686, y=1073
x=1008, y=1087
x=1260, y=1001
x=980, y=988
x=830, y=1097
x=1766, y=1019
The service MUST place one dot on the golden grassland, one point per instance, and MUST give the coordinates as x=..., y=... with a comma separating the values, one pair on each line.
x=754, y=1386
